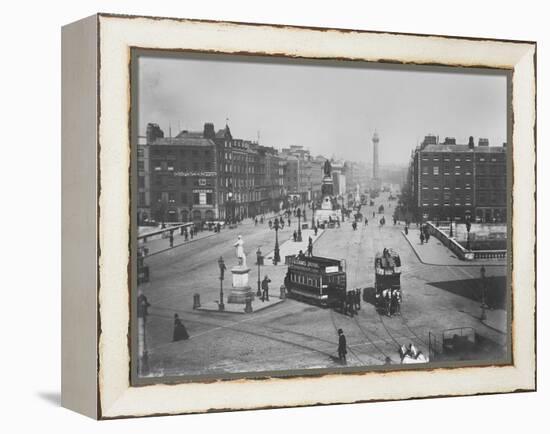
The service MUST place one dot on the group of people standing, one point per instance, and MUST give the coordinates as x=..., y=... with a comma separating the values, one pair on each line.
x=351, y=302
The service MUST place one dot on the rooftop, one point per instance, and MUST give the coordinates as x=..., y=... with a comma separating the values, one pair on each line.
x=184, y=141
x=462, y=148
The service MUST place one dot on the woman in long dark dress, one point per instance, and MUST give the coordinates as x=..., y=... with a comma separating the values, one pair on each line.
x=180, y=332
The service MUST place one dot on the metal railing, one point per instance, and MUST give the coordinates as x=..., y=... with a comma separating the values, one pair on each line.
x=461, y=252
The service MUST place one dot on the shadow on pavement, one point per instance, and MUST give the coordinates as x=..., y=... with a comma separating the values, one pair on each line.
x=471, y=288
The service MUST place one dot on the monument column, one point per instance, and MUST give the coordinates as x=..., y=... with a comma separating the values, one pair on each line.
x=375, y=167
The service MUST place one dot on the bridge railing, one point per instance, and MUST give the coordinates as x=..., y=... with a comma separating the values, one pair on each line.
x=459, y=250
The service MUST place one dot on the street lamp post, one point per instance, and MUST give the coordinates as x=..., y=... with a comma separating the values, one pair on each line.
x=468, y=227
x=312, y=214
x=299, y=214
x=222, y=266
x=259, y=262
x=276, y=255
x=451, y=230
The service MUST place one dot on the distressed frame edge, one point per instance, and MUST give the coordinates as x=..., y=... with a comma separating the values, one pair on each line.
x=79, y=140
x=529, y=383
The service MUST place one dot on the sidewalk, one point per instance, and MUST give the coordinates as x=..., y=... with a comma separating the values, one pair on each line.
x=496, y=320
x=160, y=245
x=435, y=253
x=289, y=247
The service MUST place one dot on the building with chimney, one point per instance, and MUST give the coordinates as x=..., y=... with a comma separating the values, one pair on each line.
x=458, y=181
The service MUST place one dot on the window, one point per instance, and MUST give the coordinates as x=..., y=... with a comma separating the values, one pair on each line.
x=184, y=198
x=202, y=182
x=141, y=181
x=171, y=197
x=183, y=180
x=195, y=166
x=436, y=170
x=208, y=166
x=141, y=165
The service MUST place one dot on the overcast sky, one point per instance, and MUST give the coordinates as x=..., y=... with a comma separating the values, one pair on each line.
x=332, y=110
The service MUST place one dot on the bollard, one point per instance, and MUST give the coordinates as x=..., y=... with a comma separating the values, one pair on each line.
x=196, y=301
x=248, y=305
x=282, y=296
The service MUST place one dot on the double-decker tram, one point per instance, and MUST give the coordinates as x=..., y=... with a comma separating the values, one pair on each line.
x=317, y=279
x=387, y=268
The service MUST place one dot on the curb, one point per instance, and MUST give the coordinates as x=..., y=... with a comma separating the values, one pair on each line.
x=204, y=309
x=448, y=265
x=179, y=245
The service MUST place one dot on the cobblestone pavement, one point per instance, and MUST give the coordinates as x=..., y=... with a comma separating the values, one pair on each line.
x=297, y=335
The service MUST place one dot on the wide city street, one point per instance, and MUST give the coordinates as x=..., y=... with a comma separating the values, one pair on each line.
x=298, y=335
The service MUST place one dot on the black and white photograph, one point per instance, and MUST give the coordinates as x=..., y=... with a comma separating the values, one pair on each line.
x=295, y=217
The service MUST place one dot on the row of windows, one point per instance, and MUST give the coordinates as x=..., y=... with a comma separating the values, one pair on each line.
x=169, y=166
x=305, y=280
x=201, y=198
x=195, y=153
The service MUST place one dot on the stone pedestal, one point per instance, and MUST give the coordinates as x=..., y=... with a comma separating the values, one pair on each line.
x=240, y=290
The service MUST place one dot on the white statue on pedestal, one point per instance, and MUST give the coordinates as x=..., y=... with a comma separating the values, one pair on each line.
x=239, y=251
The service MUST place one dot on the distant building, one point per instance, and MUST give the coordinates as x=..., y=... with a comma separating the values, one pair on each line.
x=458, y=181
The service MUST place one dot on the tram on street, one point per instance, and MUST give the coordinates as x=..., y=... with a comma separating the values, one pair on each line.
x=387, y=284
x=316, y=279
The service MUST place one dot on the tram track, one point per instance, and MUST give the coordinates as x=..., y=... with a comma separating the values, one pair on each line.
x=356, y=321
x=377, y=237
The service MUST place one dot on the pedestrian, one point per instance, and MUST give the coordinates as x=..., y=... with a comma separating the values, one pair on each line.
x=295, y=236
x=366, y=221
x=143, y=306
x=255, y=221
x=315, y=229
x=373, y=214
x=427, y=236
x=421, y=237
x=186, y=234
x=406, y=230
x=181, y=230
x=219, y=227
x=358, y=298
x=351, y=303
x=342, y=346
x=192, y=232
x=288, y=221
x=171, y=239
x=265, y=288
x=180, y=332
x=301, y=255
x=310, y=247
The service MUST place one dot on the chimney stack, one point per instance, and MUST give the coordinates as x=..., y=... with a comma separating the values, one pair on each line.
x=483, y=142
x=471, y=142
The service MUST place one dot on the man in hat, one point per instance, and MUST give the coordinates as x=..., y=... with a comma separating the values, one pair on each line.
x=342, y=346
x=265, y=288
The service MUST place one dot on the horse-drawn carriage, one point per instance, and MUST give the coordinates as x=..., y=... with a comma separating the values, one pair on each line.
x=387, y=284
